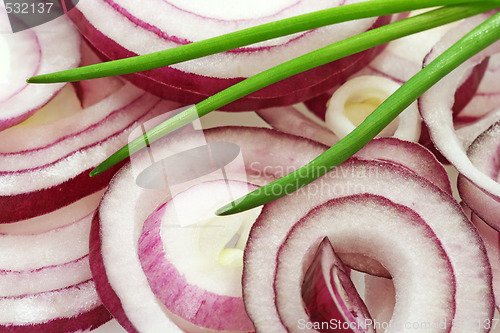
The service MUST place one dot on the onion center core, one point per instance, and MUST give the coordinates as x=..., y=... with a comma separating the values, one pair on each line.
x=359, y=97
x=357, y=110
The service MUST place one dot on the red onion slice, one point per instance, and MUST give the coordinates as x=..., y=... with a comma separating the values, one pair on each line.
x=491, y=240
x=410, y=253
x=410, y=155
x=403, y=57
x=36, y=166
x=267, y=154
x=398, y=61
x=487, y=96
x=463, y=246
x=28, y=53
x=105, y=23
x=125, y=206
x=328, y=293
x=420, y=160
x=91, y=92
x=81, y=310
x=436, y=109
x=468, y=133
x=54, y=220
x=290, y=120
x=190, y=261
x=380, y=299
x=45, y=279
x=483, y=153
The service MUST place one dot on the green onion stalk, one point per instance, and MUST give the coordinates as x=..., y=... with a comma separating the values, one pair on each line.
x=448, y=11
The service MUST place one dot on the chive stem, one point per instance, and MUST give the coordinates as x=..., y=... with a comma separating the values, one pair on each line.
x=472, y=43
x=243, y=38
x=300, y=64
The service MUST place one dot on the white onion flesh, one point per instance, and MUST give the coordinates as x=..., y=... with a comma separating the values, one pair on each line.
x=483, y=153
x=403, y=57
x=329, y=294
x=380, y=298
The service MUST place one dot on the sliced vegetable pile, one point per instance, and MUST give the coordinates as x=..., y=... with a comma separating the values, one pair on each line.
x=382, y=243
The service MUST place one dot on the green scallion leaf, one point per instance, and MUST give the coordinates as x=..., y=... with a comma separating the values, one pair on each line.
x=300, y=64
x=478, y=39
x=243, y=38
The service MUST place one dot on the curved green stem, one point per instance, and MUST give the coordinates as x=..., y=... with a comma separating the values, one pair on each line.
x=242, y=38
x=472, y=43
x=308, y=61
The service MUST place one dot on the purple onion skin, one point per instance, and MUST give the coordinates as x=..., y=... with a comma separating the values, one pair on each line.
x=27, y=205
x=468, y=89
x=104, y=289
x=318, y=301
x=319, y=304
x=463, y=96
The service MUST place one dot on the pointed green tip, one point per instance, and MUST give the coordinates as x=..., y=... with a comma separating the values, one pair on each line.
x=46, y=78
x=36, y=79
x=228, y=209
x=97, y=171
x=240, y=205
